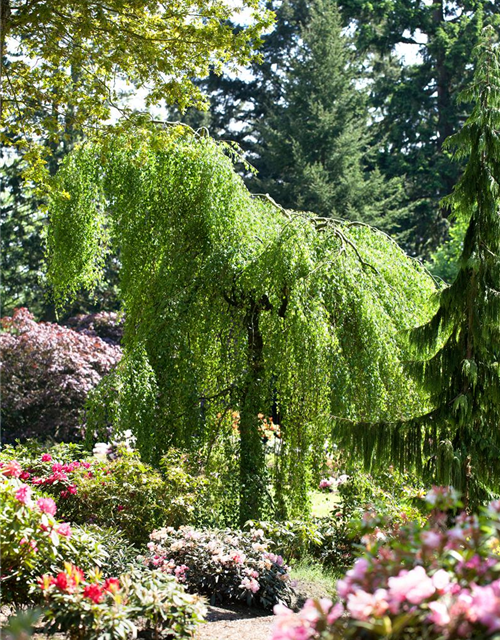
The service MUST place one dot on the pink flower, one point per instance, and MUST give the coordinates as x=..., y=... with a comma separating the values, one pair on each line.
x=334, y=613
x=485, y=607
x=64, y=530
x=441, y=580
x=250, y=584
x=440, y=615
x=361, y=605
x=431, y=539
x=415, y=586
x=325, y=483
x=46, y=457
x=11, y=469
x=23, y=494
x=25, y=475
x=47, y=505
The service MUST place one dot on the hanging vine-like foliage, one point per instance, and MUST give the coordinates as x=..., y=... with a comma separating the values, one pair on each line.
x=234, y=304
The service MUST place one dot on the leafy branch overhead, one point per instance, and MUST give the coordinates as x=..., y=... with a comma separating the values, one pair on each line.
x=64, y=65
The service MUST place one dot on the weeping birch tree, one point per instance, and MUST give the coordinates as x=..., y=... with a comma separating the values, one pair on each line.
x=234, y=304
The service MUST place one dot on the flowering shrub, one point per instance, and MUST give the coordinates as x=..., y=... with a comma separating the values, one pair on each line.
x=33, y=540
x=113, y=608
x=226, y=565
x=107, y=325
x=30, y=535
x=422, y=581
x=122, y=493
x=47, y=372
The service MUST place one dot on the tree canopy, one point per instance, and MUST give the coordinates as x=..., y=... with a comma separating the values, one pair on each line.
x=63, y=65
x=234, y=304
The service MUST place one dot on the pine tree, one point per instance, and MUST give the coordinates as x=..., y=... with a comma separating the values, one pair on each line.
x=458, y=441
x=314, y=149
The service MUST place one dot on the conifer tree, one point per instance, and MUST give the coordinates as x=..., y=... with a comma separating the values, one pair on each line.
x=314, y=149
x=458, y=350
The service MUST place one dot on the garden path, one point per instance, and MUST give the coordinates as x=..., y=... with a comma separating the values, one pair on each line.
x=236, y=623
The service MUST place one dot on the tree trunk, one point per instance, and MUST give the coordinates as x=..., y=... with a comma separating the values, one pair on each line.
x=252, y=462
x=4, y=24
x=444, y=99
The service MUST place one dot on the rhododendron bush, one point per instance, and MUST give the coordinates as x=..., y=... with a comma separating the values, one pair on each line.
x=31, y=537
x=47, y=373
x=88, y=606
x=225, y=565
x=122, y=492
x=435, y=581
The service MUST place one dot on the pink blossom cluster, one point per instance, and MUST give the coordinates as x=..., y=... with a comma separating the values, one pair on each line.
x=226, y=565
x=47, y=473
x=442, y=581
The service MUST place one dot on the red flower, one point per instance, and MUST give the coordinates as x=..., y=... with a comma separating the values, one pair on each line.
x=112, y=585
x=72, y=489
x=62, y=582
x=46, y=457
x=120, y=507
x=93, y=592
x=25, y=475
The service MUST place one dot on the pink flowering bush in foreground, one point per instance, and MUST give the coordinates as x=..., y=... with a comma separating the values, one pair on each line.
x=30, y=535
x=432, y=581
x=225, y=565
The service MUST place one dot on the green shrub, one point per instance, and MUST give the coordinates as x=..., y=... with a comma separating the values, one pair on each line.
x=293, y=539
x=90, y=608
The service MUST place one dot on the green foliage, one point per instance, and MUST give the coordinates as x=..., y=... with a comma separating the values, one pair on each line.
x=87, y=608
x=456, y=353
x=61, y=64
x=292, y=539
x=444, y=262
x=412, y=99
x=234, y=304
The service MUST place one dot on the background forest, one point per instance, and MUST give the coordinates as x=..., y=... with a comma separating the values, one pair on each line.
x=251, y=318
x=345, y=115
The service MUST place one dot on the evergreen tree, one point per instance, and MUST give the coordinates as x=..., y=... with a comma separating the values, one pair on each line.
x=314, y=149
x=459, y=348
x=414, y=102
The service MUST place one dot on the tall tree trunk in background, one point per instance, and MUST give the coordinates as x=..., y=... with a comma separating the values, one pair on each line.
x=4, y=24
x=444, y=98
